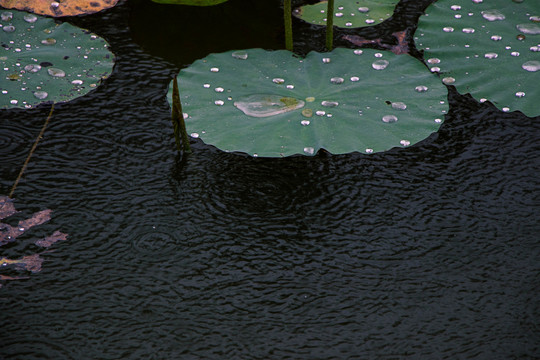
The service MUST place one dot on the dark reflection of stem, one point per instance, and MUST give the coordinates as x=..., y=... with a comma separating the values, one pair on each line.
x=330, y=25
x=31, y=152
x=287, y=18
x=179, y=126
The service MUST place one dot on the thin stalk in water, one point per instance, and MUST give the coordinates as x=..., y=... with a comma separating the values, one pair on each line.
x=330, y=25
x=31, y=152
x=287, y=18
x=179, y=126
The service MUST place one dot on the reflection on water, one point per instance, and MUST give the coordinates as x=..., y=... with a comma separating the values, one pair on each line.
x=425, y=252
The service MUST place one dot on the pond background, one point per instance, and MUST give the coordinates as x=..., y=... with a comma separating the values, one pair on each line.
x=426, y=252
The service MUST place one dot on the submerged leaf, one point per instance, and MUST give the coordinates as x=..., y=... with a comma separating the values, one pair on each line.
x=349, y=13
x=10, y=233
x=30, y=263
x=49, y=240
x=272, y=103
x=6, y=207
x=490, y=49
x=44, y=61
x=60, y=7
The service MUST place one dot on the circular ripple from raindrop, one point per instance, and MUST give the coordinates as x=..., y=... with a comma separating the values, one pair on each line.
x=15, y=142
x=35, y=348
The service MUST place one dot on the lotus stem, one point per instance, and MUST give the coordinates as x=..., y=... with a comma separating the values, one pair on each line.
x=179, y=125
x=31, y=152
x=287, y=18
x=330, y=25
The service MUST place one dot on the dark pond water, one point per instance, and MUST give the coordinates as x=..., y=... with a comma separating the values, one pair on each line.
x=427, y=252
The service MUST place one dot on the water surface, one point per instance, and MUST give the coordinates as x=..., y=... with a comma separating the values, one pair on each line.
x=427, y=252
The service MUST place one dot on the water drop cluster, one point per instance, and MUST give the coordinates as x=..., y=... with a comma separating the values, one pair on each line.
x=44, y=61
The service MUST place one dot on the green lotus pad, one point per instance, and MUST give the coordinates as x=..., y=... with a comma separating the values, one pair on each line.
x=43, y=61
x=273, y=103
x=191, y=2
x=349, y=13
x=490, y=49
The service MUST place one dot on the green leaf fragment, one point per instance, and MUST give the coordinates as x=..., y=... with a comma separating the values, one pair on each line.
x=348, y=13
x=490, y=49
x=272, y=103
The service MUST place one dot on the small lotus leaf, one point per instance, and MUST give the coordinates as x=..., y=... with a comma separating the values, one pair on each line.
x=60, y=7
x=349, y=13
x=43, y=61
x=191, y=2
x=490, y=49
x=273, y=103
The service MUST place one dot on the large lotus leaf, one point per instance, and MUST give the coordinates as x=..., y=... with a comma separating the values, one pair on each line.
x=191, y=2
x=349, y=13
x=273, y=103
x=43, y=61
x=490, y=49
x=60, y=7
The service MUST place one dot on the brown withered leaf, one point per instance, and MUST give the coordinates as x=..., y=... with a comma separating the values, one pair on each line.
x=9, y=233
x=5, y=277
x=49, y=240
x=59, y=8
x=31, y=263
x=402, y=46
x=6, y=207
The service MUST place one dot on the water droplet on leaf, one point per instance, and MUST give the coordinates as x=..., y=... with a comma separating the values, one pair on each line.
x=389, y=118
x=278, y=80
x=380, y=64
x=242, y=55
x=309, y=150
x=329, y=103
x=405, y=142
x=493, y=15
x=32, y=68
x=56, y=72
x=6, y=16
x=399, y=105
x=421, y=88
x=30, y=18
x=48, y=41
x=337, y=80
x=40, y=94
x=532, y=65
x=263, y=105
x=529, y=29
x=448, y=80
